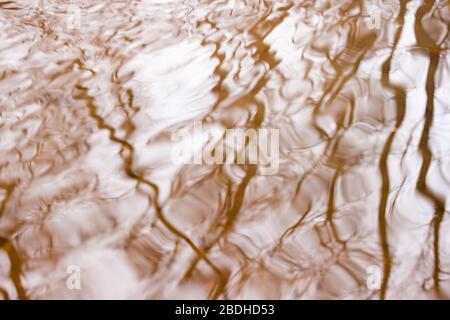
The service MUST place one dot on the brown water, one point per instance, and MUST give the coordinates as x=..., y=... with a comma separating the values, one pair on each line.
x=91, y=90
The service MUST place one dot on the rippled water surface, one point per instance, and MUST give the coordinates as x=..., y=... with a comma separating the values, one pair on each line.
x=90, y=92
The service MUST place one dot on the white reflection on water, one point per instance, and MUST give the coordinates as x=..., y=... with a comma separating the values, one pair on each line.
x=91, y=91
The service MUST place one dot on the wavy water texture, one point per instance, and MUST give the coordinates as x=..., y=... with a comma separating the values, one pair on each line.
x=91, y=91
